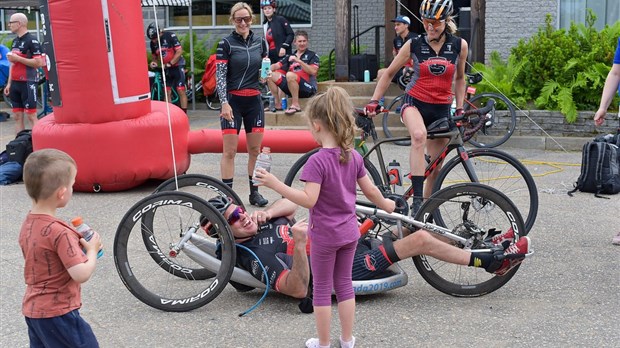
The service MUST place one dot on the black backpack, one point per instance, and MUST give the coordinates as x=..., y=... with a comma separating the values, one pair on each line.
x=600, y=166
x=20, y=147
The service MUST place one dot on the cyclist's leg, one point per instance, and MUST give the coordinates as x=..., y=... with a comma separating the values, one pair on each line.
x=273, y=83
x=433, y=148
x=412, y=118
x=179, y=83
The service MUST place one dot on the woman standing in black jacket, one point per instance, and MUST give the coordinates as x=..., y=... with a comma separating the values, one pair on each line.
x=278, y=31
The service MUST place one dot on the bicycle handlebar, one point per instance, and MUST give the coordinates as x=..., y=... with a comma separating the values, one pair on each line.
x=484, y=117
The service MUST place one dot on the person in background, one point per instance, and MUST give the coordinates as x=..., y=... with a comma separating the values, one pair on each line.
x=55, y=264
x=278, y=32
x=295, y=74
x=331, y=177
x=238, y=62
x=439, y=60
x=171, y=53
x=401, y=27
x=25, y=58
x=612, y=85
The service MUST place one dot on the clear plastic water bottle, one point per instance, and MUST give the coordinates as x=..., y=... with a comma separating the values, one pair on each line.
x=272, y=104
x=395, y=177
x=85, y=231
x=263, y=161
x=265, y=68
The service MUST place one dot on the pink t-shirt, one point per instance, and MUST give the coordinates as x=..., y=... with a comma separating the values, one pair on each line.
x=50, y=247
x=332, y=220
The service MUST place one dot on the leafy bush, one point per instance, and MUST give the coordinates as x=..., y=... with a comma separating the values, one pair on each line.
x=556, y=69
x=201, y=53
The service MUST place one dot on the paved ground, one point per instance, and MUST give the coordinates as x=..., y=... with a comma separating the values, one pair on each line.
x=566, y=295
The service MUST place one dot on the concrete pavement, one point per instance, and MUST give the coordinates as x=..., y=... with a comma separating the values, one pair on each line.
x=567, y=294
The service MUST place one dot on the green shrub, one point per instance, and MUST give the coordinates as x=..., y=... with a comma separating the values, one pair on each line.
x=201, y=53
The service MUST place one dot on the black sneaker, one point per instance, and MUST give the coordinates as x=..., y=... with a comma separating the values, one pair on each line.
x=257, y=199
x=415, y=206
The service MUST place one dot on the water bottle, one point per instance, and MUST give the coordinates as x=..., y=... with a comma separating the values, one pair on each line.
x=265, y=68
x=284, y=104
x=395, y=177
x=272, y=104
x=366, y=75
x=85, y=231
x=263, y=161
x=453, y=107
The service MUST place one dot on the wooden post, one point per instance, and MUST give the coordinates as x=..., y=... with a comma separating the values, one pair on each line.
x=390, y=13
x=343, y=39
x=476, y=44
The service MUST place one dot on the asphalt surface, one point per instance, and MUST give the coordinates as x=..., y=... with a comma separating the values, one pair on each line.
x=566, y=295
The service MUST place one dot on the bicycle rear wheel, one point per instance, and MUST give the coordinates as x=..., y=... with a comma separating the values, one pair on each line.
x=455, y=208
x=165, y=218
x=391, y=120
x=500, y=128
x=500, y=171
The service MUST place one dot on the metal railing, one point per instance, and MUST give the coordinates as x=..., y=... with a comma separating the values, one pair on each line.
x=355, y=41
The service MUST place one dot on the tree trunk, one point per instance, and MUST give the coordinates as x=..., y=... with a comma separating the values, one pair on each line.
x=476, y=45
x=343, y=39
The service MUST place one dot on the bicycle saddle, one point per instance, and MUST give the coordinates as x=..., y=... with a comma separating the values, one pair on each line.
x=440, y=126
x=472, y=79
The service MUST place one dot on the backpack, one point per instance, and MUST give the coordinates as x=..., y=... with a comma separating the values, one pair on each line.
x=208, y=78
x=600, y=167
x=20, y=147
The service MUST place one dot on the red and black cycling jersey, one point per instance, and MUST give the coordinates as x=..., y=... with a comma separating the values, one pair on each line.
x=278, y=34
x=169, y=45
x=431, y=81
x=308, y=57
x=26, y=46
x=238, y=63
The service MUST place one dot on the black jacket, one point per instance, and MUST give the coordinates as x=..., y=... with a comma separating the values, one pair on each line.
x=282, y=35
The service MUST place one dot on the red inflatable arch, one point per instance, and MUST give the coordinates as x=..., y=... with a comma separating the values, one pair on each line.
x=103, y=116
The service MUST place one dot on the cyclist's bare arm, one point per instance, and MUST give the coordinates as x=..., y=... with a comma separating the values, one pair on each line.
x=459, y=79
x=374, y=195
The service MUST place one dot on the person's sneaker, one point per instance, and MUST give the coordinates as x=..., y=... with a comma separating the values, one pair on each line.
x=501, y=238
x=314, y=343
x=257, y=199
x=514, y=255
x=415, y=206
x=616, y=239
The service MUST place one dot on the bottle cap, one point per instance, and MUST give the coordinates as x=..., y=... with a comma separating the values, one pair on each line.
x=77, y=221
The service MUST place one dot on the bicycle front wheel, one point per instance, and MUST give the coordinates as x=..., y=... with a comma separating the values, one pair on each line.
x=391, y=120
x=502, y=123
x=498, y=170
x=166, y=218
x=467, y=209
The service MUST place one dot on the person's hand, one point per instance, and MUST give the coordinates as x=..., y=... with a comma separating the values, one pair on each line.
x=264, y=178
x=282, y=52
x=7, y=89
x=93, y=244
x=153, y=65
x=226, y=112
x=293, y=58
x=13, y=58
x=391, y=204
x=599, y=117
x=372, y=108
x=300, y=232
x=259, y=217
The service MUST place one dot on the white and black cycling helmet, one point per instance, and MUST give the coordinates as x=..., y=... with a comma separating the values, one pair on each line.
x=271, y=3
x=436, y=9
x=221, y=203
x=151, y=31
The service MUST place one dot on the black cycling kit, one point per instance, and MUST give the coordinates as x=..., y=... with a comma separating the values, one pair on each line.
x=24, y=78
x=278, y=34
x=175, y=76
x=307, y=83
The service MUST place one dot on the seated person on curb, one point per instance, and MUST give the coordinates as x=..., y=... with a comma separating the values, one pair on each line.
x=295, y=74
x=283, y=249
x=401, y=27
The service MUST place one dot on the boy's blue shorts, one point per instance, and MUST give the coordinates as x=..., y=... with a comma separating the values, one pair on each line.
x=68, y=330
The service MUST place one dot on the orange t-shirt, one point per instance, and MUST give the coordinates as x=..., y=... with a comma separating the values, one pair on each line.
x=50, y=247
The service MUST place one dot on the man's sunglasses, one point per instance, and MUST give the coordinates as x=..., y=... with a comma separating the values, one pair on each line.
x=235, y=215
x=247, y=19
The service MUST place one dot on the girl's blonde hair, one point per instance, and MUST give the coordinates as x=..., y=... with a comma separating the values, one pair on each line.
x=239, y=6
x=335, y=112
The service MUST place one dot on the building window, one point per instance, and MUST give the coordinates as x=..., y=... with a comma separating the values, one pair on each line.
x=214, y=13
x=607, y=12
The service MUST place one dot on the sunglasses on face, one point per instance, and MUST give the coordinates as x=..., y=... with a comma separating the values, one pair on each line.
x=434, y=22
x=235, y=215
x=247, y=19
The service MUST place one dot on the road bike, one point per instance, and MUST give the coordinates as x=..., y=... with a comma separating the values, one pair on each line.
x=167, y=261
x=496, y=130
x=158, y=89
x=487, y=166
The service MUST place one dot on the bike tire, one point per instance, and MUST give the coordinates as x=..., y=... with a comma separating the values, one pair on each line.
x=172, y=213
x=203, y=186
x=213, y=102
x=499, y=170
x=501, y=128
x=392, y=116
x=487, y=208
